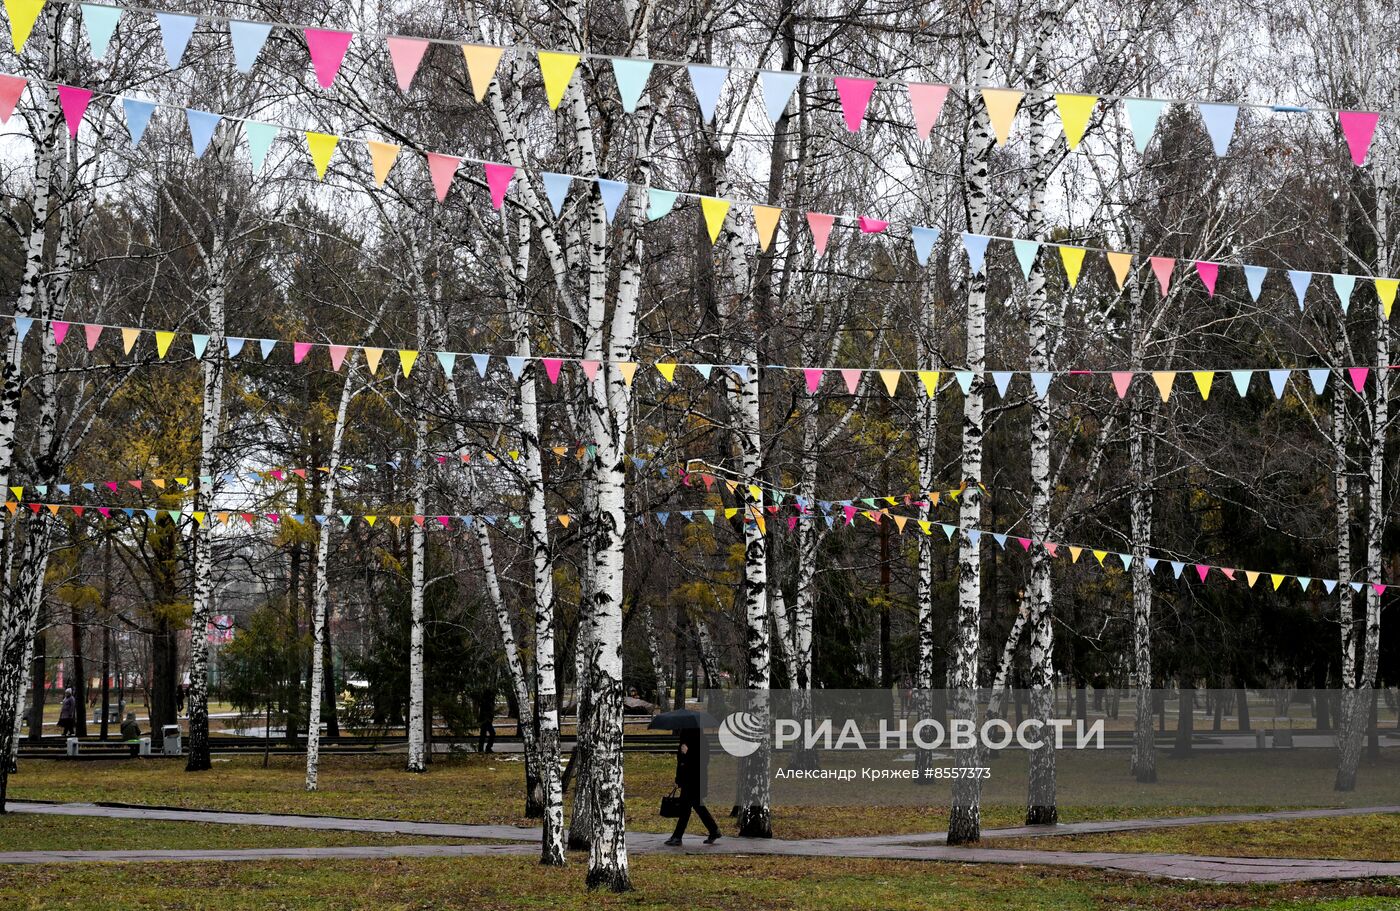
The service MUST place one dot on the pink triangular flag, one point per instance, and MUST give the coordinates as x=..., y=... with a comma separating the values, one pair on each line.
x=813, y=376
x=1122, y=379
x=338, y=353
x=590, y=369
x=327, y=52
x=855, y=98
x=1208, y=273
x=1378, y=588
x=406, y=54
x=442, y=168
x=1025, y=543
x=299, y=351
x=551, y=368
x=60, y=331
x=870, y=225
x=498, y=181
x=11, y=87
x=1162, y=267
x=850, y=512
x=1358, y=127
x=821, y=229
x=852, y=377
x=1358, y=377
x=93, y=332
x=927, y=102
x=1202, y=570
x=74, y=102
x=112, y=486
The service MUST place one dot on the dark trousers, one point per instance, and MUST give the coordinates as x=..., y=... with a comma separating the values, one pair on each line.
x=698, y=805
x=67, y=726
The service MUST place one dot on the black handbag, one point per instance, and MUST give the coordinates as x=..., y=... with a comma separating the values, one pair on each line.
x=671, y=805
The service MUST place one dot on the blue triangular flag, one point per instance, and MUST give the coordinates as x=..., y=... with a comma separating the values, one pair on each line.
x=1319, y=379
x=175, y=32
x=707, y=82
x=1278, y=379
x=948, y=531
x=612, y=192
x=964, y=378
x=1254, y=277
x=248, y=39
x=22, y=324
x=741, y=371
x=663, y=517
x=1355, y=586
x=200, y=342
x=235, y=345
x=976, y=246
x=516, y=365
x=260, y=137
x=101, y=22
x=1002, y=379
x=1343, y=285
x=138, y=115
x=1127, y=561
x=703, y=369
x=1305, y=581
x=1300, y=281
x=1041, y=383
x=1142, y=119
x=1000, y=539
x=1241, y=378
x=659, y=203
x=924, y=239
x=974, y=535
x=777, y=90
x=1329, y=584
x=448, y=360
x=267, y=344
x=481, y=361
x=1151, y=564
x=1220, y=124
x=1177, y=567
x=1025, y=254
x=556, y=187
x=631, y=75
x=202, y=124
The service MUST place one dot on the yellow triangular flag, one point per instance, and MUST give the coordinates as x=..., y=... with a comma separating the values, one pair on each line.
x=1001, y=109
x=18, y=492
x=731, y=512
x=1164, y=380
x=406, y=359
x=163, y=340
x=765, y=219
x=23, y=14
x=666, y=370
x=1385, y=290
x=1277, y=579
x=1074, y=552
x=129, y=337
x=925, y=526
x=481, y=67
x=1073, y=258
x=891, y=378
x=565, y=519
x=198, y=517
x=1251, y=577
x=1074, y=116
x=322, y=146
x=628, y=370
x=1204, y=379
x=372, y=356
x=1120, y=263
x=382, y=155
x=557, y=69
x=514, y=455
x=755, y=492
x=930, y=380
x=370, y=520
x=714, y=210
x=1099, y=555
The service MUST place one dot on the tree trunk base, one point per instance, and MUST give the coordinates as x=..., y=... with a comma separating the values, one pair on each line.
x=756, y=822
x=964, y=826
x=1145, y=776
x=613, y=880
x=1042, y=816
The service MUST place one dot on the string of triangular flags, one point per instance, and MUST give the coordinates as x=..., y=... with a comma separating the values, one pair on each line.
x=813, y=376
x=327, y=49
x=443, y=169
x=841, y=515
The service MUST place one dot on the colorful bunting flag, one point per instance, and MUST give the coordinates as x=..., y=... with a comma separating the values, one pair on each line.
x=483, y=59
x=708, y=82
x=1075, y=111
x=854, y=95
x=260, y=137
x=1073, y=258
x=138, y=115
x=1142, y=119
x=322, y=147
x=1120, y=263
x=382, y=156
x=556, y=189
x=820, y=226
x=777, y=91
x=405, y=54
x=1359, y=127
x=248, y=39
x=22, y=14
x=765, y=220
x=612, y=192
x=924, y=241
x=1162, y=267
x=101, y=23
x=631, y=76
x=1001, y=110
x=1219, y=120
x=1208, y=273
x=11, y=87
x=714, y=210
x=175, y=32
x=555, y=68
x=976, y=247
x=442, y=169
x=74, y=102
x=202, y=124
x=498, y=177
x=327, y=50
x=926, y=101
x=659, y=203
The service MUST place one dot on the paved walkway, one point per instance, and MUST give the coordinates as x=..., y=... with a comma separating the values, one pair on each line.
x=899, y=847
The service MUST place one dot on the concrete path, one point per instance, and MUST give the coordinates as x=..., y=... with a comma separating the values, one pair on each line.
x=894, y=847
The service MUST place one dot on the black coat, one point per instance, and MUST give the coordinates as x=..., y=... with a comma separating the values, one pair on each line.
x=693, y=766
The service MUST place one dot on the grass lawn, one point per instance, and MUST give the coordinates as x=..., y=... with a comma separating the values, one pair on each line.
x=1350, y=838
x=717, y=883
x=31, y=832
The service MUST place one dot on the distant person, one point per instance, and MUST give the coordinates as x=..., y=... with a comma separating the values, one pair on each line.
x=906, y=696
x=68, y=713
x=692, y=777
x=131, y=732
x=180, y=698
x=486, y=738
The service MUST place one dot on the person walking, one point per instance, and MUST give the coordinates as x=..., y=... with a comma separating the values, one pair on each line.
x=68, y=714
x=692, y=777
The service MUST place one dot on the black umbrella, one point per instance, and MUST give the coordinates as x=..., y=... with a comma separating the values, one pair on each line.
x=683, y=718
